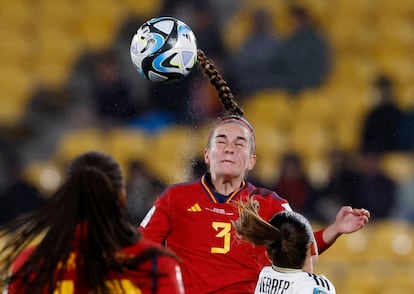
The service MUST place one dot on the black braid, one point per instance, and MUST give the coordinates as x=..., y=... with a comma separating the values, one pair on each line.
x=224, y=92
x=85, y=209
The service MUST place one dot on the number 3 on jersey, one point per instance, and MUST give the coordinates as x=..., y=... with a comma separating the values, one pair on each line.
x=223, y=232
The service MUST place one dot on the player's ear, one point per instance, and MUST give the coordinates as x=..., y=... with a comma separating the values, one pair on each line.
x=252, y=162
x=206, y=156
x=313, y=248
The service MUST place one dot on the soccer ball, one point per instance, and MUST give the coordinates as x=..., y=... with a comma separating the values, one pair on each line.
x=164, y=49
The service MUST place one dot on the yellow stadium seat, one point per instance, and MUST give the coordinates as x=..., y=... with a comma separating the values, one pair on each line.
x=11, y=111
x=405, y=97
x=355, y=8
x=315, y=106
x=364, y=280
x=144, y=8
x=391, y=240
x=239, y=27
x=58, y=14
x=351, y=106
x=388, y=9
x=348, y=249
x=52, y=75
x=14, y=49
x=350, y=34
x=171, y=153
x=97, y=32
x=15, y=15
x=269, y=108
x=271, y=143
x=397, y=34
x=126, y=145
x=16, y=85
x=311, y=139
x=398, y=66
x=353, y=70
x=347, y=135
x=237, y=30
x=55, y=54
x=400, y=280
x=75, y=142
x=399, y=166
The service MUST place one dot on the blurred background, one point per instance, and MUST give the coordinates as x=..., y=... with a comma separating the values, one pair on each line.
x=327, y=84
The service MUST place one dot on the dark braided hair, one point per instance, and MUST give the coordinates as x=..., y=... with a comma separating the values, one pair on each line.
x=224, y=92
x=86, y=210
x=233, y=113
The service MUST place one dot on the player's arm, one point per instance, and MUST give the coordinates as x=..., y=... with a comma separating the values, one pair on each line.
x=156, y=224
x=16, y=287
x=171, y=281
x=348, y=220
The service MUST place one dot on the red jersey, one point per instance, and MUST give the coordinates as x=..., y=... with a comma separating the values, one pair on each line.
x=198, y=228
x=135, y=283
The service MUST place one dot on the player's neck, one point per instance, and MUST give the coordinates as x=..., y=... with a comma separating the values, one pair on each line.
x=286, y=269
x=226, y=186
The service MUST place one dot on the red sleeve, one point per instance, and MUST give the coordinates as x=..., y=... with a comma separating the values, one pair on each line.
x=156, y=224
x=21, y=259
x=169, y=279
x=15, y=287
x=172, y=282
x=322, y=245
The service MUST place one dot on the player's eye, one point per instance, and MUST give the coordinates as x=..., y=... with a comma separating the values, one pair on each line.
x=240, y=143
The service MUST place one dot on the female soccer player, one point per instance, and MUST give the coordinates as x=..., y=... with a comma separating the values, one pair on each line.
x=290, y=245
x=87, y=245
x=195, y=219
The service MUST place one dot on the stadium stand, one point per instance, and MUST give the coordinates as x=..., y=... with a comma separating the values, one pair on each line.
x=41, y=41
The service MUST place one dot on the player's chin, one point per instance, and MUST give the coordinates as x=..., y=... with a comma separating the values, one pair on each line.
x=228, y=173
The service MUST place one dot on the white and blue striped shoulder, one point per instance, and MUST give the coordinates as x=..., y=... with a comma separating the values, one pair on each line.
x=321, y=284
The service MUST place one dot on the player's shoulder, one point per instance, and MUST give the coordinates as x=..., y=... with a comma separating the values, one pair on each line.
x=267, y=197
x=319, y=283
x=145, y=245
x=176, y=192
x=185, y=186
x=262, y=192
x=142, y=245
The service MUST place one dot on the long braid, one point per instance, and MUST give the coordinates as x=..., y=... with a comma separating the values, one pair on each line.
x=83, y=213
x=224, y=92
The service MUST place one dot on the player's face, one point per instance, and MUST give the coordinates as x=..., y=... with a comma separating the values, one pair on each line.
x=229, y=153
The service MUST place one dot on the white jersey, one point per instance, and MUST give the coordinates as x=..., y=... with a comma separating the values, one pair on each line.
x=287, y=281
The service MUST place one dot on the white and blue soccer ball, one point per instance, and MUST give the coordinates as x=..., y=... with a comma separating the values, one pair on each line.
x=164, y=49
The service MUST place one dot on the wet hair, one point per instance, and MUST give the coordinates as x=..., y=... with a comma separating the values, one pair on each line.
x=286, y=236
x=85, y=208
x=225, y=95
x=233, y=113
